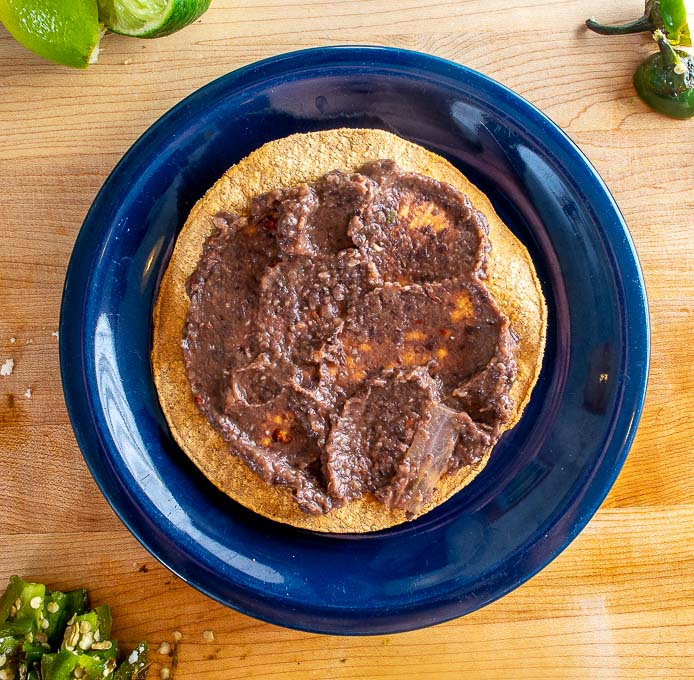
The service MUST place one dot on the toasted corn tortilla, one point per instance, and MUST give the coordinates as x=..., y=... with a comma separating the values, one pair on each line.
x=284, y=163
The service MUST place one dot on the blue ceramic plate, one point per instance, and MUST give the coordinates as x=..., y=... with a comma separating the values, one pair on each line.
x=546, y=477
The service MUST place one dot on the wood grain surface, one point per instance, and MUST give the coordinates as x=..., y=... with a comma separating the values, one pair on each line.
x=618, y=603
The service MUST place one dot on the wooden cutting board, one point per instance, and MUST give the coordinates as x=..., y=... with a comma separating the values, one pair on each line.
x=618, y=603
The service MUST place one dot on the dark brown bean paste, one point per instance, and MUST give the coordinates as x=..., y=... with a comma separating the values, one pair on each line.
x=342, y=341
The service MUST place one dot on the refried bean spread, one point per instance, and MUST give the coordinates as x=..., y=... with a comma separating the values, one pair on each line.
x=341, y=339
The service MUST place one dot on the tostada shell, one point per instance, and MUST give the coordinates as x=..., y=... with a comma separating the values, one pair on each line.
x=284, y=163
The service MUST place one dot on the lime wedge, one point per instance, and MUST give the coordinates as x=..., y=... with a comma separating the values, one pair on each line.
x=149, y=18
x=64, y=31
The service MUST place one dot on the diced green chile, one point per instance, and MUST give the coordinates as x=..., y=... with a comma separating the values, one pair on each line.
x=25, y=593
x=96, y=668
x=14, y=591
x=72, y=602
x=81, y=631
x=135, y=669
x=32, y=653
x=103, y=613
x=16, y=627
x=32, y=593
x=58, y=666
x=61, y=666
x=29, y=636
x=10, y=648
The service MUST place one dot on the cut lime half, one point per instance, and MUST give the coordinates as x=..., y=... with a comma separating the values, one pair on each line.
x=149, y=18
x=64, y=31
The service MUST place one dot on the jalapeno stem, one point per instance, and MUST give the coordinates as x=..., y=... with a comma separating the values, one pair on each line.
x=669, y=16
x=637, y=26
x=668, y=53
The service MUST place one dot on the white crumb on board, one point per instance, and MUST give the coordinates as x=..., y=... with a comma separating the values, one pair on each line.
x=13, y=340
x=55, y=334
x=7, y=367
x=27, y=394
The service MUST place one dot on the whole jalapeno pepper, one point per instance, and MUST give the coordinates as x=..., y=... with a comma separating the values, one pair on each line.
x=665, y=80
x=670, y=16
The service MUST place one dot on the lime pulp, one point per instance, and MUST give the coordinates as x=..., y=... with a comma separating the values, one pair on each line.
x=149, y=18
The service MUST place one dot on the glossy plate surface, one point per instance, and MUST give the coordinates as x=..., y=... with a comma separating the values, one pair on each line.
x=547, y=476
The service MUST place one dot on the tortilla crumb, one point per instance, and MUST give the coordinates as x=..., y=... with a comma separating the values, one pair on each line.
x=27, y=394
x=7, y=367
x=55, y=334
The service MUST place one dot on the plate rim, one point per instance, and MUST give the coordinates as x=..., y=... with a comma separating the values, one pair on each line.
x=76, y=395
